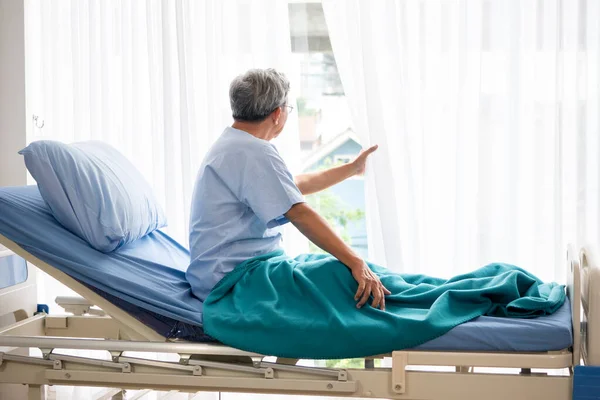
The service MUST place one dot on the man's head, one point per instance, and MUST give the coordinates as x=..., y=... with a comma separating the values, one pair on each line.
x=260, y=95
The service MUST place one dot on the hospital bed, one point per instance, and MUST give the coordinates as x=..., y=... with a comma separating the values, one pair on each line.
x=457, y=369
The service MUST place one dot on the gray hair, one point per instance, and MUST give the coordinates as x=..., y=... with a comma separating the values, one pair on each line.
x=257, y=93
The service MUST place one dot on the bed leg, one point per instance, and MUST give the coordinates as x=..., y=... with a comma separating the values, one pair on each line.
x=36, y=392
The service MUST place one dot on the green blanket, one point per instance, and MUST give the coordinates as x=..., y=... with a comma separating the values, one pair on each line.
x=305, y=308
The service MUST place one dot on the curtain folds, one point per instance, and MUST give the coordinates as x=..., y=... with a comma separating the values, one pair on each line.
x=486, y=116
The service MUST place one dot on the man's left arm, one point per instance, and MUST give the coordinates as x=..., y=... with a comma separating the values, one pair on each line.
x=314, y=182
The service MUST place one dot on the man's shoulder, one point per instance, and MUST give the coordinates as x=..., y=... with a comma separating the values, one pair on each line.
x=235, y=158
x=239, y=144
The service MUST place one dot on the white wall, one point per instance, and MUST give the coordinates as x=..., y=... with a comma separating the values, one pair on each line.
x=13, y=120
x=12, y=116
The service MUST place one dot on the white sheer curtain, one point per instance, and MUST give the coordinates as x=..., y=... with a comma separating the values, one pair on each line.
x=486, y=113
x=151, y=78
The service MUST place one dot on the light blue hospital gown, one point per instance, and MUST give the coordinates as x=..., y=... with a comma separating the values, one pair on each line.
x=242, y=190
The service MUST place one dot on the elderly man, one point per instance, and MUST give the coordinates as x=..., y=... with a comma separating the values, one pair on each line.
x=244, y=193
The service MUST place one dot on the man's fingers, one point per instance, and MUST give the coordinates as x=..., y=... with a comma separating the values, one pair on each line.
x=361, y=289
x=365, y=296
x=365, y=153
x=377, y=297
x=371, y=150
x=385, y=291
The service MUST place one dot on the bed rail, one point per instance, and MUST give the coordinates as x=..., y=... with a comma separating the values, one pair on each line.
x=590, y=301
x=574, y=293
x=45, y=342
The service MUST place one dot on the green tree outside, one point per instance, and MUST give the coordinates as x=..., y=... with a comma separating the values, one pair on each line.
x=335, y=211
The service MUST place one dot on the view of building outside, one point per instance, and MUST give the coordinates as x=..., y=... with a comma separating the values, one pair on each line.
x=326, y=135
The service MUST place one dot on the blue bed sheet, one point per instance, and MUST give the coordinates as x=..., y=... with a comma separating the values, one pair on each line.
x=549, y=333
x=147, y=279
x=148, y=273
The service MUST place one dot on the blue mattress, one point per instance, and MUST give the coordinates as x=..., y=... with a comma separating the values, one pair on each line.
x=147, y=279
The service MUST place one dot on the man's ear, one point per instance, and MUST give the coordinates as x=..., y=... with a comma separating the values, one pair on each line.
x=276, y=115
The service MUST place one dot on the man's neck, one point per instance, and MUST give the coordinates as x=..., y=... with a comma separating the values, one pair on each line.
x=259, y=130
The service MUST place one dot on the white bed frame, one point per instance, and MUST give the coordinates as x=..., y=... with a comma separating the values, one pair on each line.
x=413, y=375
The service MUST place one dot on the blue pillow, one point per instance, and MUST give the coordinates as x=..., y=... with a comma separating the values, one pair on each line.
x=94, y=192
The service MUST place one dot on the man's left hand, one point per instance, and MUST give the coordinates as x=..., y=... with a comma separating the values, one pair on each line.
x=360, y=163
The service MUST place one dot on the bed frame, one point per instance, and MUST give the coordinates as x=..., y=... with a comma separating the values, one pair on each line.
x=416, y=375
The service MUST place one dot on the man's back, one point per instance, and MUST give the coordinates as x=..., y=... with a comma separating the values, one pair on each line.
x=240, y=190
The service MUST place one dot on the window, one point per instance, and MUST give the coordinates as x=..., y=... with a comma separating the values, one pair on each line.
x=326, y=135
x=13, y=269
x=327, y=138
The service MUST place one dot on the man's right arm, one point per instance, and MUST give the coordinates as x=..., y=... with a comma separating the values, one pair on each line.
x=318, y=231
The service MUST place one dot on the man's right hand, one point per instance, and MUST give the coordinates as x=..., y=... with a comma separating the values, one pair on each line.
x=318, y=231
x=368, y=284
